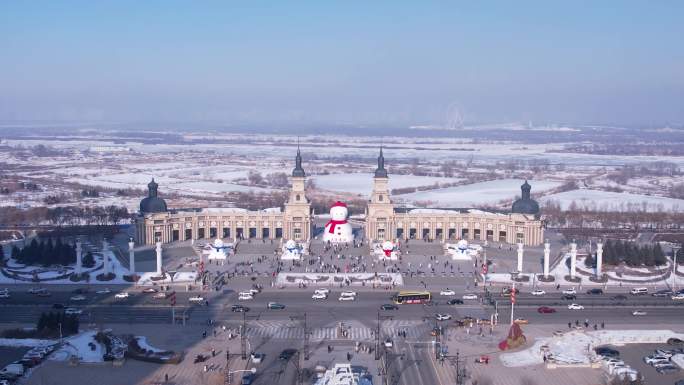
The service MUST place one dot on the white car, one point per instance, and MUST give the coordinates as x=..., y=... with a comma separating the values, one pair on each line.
x=570, y=291
x=347, y=298
x=245, y=296
x=103, y=291
x=324, y=291
x=122, y=295
x=78, y=298
x=447, y=292
x=196, y=299
x=538, y=292
x=470, y=296
x=655, y=359
x=254, y=291
x=678, y=297
x=319, y=296
x=34, y=290
x=638, y=312
x=574, y=306
x=388, y=343
x=348, y=294
x=72, y=311
x=443, y=317
x=4, y=295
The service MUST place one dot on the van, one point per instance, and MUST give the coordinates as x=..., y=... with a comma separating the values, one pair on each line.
x=639, y=291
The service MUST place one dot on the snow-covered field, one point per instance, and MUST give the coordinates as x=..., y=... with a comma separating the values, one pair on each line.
x=362, y=183
x=605, y=200
x=477, y=193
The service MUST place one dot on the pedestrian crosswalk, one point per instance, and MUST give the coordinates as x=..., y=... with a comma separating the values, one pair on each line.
x=295, y=330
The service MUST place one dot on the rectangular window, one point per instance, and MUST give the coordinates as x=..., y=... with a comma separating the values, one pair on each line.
x=200, y=233
x=476, y=234
x=502, y=236
x=490, y=235
x=297, y=233
x=158, y=221
x=519, y=237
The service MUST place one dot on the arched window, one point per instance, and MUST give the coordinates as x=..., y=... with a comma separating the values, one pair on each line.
x=297, y=197
x=380, y=198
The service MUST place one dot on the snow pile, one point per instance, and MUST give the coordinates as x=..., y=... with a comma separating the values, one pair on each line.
x=678, y=359
x=178, y=277
x=576, y=347
x=81, y=346
x=142, y=343
x=25, y=342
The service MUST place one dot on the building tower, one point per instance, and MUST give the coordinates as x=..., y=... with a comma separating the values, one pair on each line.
x=380, y=211
x=297, y=217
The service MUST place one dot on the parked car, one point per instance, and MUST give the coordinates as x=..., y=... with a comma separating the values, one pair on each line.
x=675, y=341
x=159, y=295
x=545, y=310
x=652, y=359
x=538, y=292
x=149, y=290
x=78, y=298
x=122, y=295
x=570, y=291
x=319, y=296
x=196, y=299
x=256, y=357
x=448, y=292
x=638, y=313
x=455, y=301
x=388, y=343
x=247, y=379
x=287, y=354
x=275, y=306
x=72, y=311
x=595, y=291
x=678, y=297
x=667, y=369
x=388, y=306
x=470, y=296
x=607, y=352
x=574, y=306
x=324, y=291
x=443, y=317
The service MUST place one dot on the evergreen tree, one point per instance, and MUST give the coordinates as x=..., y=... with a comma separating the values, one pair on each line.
x=589, y=261
x=88, y=260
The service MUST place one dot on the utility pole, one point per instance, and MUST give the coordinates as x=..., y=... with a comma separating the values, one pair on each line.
x=377, y=335
x=306, y=335
x=243, y=337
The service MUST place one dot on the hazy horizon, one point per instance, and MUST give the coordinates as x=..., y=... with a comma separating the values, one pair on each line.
x=343, y=64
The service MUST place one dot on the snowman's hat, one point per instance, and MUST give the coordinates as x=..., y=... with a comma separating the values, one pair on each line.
x=339, y=204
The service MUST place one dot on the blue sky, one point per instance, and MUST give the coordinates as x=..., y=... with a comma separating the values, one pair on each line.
x=359, y=62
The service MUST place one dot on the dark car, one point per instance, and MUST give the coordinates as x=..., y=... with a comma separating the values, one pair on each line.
x=455, y=301
x=57, y=306
x=569, y=297
x=595, y=291
x=388, y=306
x=275, y=306
x=619, y=297
x=546, y=310
x=239, y=309
x=674, y=341
x=287, y=354
x=80, y=291
x=607, y=352
x=248, y=379
x=663, y=293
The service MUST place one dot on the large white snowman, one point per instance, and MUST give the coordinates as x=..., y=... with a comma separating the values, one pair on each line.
x=337, y=230
x=291, y=251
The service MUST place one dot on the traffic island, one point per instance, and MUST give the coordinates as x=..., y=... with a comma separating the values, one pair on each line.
x=573, y=279
x=542, y=278
x=105, y=277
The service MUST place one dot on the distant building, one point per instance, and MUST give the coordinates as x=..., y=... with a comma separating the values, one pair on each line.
x=155, y=223
x=109, y=149
x=384, y=221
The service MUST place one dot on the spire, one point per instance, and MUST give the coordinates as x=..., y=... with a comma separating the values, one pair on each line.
x=298, y=170
x=525, y=189
x=152, y=188
x=380, y=172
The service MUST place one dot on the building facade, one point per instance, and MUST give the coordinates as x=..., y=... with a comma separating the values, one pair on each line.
x=384, y=221
x=156, y=223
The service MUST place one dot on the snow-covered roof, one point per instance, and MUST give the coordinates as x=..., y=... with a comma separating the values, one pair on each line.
x=229, y=210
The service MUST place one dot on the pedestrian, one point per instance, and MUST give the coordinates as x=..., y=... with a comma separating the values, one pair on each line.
x=166, y=377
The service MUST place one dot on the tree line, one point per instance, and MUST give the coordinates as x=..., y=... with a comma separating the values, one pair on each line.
x=45, y=253
x=630, y=253
x=49, y=324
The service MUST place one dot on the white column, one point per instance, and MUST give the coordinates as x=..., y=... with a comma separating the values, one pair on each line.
x=573, y=259
x=599, y=259
x=159, y=258
x=131, y=257
x=547, y=254
x=520, y=257
x=79, y=257
x=105, y=256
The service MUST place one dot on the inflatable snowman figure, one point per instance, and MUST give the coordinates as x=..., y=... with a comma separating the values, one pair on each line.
x=337, y=230
x=218, y=250
x=462, y=250
x=387, y=251
x=291, y=251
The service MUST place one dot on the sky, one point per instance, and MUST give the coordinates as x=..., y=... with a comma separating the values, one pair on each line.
x=347, y=62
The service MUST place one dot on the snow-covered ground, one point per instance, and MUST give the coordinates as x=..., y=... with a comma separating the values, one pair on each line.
x=25, y=342
x=362, y=183
x=78, y=346
x=571, y=347
x=606, y=200
x=178, y=277
x=475, y=194
x=142, y=342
